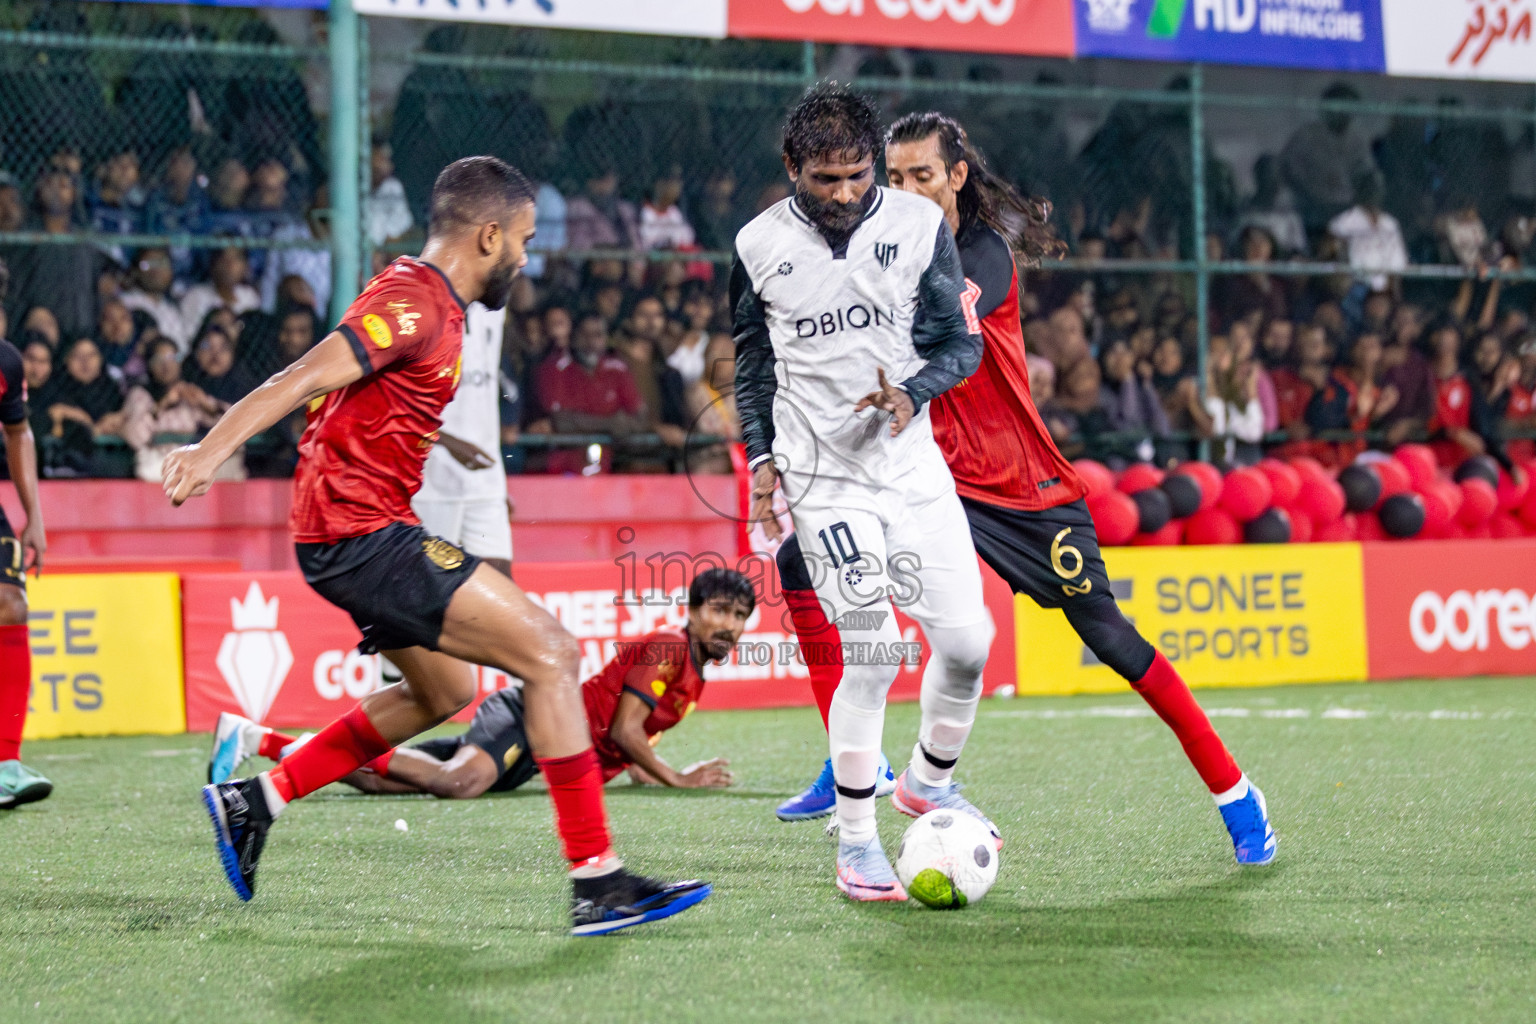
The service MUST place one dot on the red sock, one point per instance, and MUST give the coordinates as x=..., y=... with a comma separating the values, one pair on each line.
x=272, y=744
x=15, y=687
x=576, y=787
x=341, y=747
x=820, y=645
x=1169, y=696
x=380, y=764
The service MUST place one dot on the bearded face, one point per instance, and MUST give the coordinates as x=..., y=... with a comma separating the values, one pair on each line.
x=498, y=286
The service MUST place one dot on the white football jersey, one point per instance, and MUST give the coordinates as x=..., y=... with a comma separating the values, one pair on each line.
x=474, y=415
x=892, y=298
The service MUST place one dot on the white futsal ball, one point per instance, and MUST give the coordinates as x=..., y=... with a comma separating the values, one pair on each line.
x=947, y=859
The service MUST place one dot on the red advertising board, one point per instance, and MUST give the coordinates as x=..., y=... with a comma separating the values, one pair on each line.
x=266, y=646
x=1450, y=608
x=1041, y=27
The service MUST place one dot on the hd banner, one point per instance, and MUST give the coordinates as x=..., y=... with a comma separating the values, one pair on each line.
x=1038, y=27
x=1340, y=35
x=1255, y=615
x=106, y=655
x=656, y=17
x=1462, y=39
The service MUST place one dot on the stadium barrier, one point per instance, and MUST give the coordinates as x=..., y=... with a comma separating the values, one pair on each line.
x=123, y=654
x=1224, y=616
x=266, y=646
x=106, y=655
x=1460, y=608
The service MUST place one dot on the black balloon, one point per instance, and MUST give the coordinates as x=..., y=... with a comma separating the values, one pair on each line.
x=1273, y=526
x=1402, y=515
x=1362, y=487
x=1479, y=466
x=1183, y=493
x=1152, y=509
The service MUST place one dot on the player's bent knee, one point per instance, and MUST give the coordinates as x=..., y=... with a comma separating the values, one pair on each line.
x=13, y=606
x=964, y=649
x=1110, y=636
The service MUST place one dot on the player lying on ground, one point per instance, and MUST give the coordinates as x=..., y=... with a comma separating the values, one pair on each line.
x=375, y=389
x=1023, y=500
x=649, y=687
x=18, y=783
x=845, y=287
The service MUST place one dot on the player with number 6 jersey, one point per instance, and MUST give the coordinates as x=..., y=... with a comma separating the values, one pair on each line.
x=1023, y=501
x=844, y=288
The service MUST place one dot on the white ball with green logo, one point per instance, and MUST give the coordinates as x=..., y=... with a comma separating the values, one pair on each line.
x=947, y=859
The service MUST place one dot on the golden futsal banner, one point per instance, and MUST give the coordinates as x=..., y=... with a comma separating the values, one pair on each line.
x=106, y=655
x=1224, y=616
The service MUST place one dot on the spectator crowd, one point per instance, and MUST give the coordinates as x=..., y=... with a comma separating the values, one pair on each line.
x=613, y=361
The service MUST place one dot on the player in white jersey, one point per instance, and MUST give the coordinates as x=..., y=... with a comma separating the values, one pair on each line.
x=844, y=288
x=463, y=496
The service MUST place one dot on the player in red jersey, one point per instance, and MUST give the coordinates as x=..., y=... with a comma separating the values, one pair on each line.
x=650, y=686
x=1023, y=500
x=375, y=389
x=18, y=783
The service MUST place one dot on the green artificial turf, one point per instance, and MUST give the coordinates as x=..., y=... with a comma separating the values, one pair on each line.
x=1403, y=889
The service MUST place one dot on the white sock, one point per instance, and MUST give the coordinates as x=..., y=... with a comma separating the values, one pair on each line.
x=1234, y=794
x=854, y=733
x=946, y=725
x=275, y=803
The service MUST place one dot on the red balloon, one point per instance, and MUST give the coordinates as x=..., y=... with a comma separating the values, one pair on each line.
x=1512, y=493
x=1139, y=477
x=1212, y=526
x=1210, y=480
x=1439, y=513
x=1479, y=532
x=1301, y=527
x=1419, y=460
x=1114, y=517
x=1246, y=494
x=1284, y=481
x=1096, y=476
x=1368, y=527
x=1310, y=468
x=1322, y=500
x=1344, y=528
x=1169, y=535
x=1504, y=526
x=1394, y=478
x=1528, y=508
x=1478, y=502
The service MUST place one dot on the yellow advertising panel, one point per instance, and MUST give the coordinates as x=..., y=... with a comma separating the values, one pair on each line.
x=1224, y=616
x=106, y=655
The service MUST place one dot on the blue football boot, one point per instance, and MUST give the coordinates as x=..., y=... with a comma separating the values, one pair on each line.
x=820, y=799
x=1253, y=840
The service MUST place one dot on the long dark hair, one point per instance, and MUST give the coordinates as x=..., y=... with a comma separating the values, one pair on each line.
x=1023, y=220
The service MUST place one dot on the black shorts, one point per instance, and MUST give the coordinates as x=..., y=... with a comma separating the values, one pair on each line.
x=395, y=583
x=497, y=729
x=13, y=560
x=1051, y=556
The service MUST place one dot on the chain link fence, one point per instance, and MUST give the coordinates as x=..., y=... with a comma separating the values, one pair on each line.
x=1192, y=198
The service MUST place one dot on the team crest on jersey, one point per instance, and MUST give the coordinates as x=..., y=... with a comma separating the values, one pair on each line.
x=378, y=330
x=442, y=554
x=405, y=320
x=885, y=254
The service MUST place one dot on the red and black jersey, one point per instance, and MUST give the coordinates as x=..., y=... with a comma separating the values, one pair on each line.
x=361, y=457
x=658, y=669
x=13, y=385
x=997, y=447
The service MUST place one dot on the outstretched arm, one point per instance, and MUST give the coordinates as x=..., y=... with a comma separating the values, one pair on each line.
x=329, y=366
x=628, y=732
